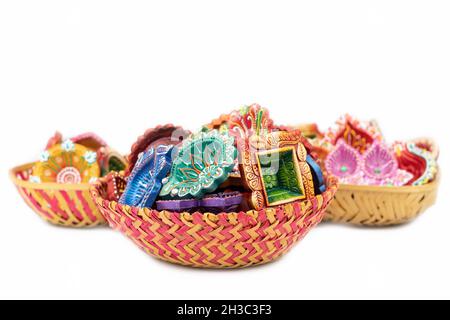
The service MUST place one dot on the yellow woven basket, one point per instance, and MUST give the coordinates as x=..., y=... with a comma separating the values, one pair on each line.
x=68, y=205
x=380, y=205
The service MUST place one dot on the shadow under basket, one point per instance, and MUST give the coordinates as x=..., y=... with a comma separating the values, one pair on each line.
x=69, y=205
x=207, y=240
x=380, y=205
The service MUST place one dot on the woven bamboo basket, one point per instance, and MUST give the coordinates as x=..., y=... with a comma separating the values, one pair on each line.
x=69, y=205
x=380, y=206
x=207, y=240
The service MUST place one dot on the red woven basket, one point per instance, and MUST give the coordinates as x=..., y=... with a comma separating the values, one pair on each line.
x=68, y=205
x=225, y=240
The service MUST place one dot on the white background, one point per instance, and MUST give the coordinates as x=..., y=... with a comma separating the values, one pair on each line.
x=118, y=68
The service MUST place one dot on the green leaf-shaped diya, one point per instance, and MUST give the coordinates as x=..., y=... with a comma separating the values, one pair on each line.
x=203, y=162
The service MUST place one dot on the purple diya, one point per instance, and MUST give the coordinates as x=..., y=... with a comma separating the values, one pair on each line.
x=214, y=203
x=221, y=202
x=344, y=161
x=181, y=205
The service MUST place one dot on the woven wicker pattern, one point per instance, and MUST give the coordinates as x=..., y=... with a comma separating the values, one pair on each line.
x=215, y=241
x=61, y=204
x=378, y=206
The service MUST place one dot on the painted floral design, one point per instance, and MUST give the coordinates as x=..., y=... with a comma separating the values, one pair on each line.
x=34, y=179
x=90, y=157
x=66, y=163
x=43, y=157
x=203, y=162
x=68, y=145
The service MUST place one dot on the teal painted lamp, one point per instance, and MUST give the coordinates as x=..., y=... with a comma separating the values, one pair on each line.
x=203, y=162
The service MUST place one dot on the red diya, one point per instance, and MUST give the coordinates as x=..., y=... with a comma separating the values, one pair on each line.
x=420, y=162
x=359, y=135
x=161, y=135
x=115, y=185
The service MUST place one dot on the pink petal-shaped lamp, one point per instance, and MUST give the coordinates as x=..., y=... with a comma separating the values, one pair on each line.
x=379, y=162
x=343, y=161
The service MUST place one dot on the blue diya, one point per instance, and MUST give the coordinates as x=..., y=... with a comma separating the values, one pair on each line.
x=316, y=171
x=145, y=181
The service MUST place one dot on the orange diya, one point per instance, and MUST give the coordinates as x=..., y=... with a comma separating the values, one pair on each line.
x=66, y=163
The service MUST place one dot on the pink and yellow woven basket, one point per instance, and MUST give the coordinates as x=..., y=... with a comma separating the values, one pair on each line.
x=226, y=240
x=68, y=205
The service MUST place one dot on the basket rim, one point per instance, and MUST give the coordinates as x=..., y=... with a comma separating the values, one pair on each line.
x=388, y=189
x=332, y=187
x=44, y=185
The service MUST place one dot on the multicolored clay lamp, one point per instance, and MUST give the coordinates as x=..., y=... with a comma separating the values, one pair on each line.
x=204, y=161
x=250, y=120
x=275, y=169
x=144, y=182
x=66, y=163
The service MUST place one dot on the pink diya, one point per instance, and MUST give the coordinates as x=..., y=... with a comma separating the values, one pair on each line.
x=344, y=161
x=55, y=139
x=89, y=140
x=379, y=163
x=376, y=167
